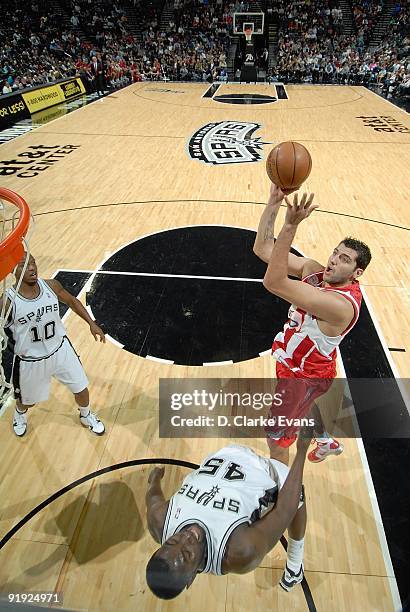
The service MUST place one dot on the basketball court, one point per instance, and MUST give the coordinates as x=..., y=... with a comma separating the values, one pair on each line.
x=155, y=191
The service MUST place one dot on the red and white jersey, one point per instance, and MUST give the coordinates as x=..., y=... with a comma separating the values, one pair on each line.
x=302, y=346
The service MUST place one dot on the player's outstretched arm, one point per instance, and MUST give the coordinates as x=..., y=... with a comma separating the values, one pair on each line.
x=76, y=306
x=328, y=306
x=258, y=539
x=156, y=504
x=265, y=238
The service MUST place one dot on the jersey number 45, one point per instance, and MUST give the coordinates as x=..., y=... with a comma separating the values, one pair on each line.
x=213, y=465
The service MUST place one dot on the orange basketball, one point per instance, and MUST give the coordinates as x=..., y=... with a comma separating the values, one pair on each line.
x=288, y=165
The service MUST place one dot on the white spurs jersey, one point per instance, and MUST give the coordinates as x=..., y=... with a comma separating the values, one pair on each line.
x=35, y=327
x=232, y=486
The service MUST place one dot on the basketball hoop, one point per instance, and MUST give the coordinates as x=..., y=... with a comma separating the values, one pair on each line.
x=12, y=247
x=248, y=34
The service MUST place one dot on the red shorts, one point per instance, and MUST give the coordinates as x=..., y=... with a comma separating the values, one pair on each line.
x=297, y=395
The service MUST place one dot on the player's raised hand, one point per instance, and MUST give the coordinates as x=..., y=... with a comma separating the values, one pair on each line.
x=276, y=196
x=97, y=332
x=298, y=211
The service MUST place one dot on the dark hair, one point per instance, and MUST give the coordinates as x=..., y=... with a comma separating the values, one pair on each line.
x=162, y=581
x=363, y=252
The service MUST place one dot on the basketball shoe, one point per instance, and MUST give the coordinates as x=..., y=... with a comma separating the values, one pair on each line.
x=93, y=423
x=290, y=578
x=20, y=423
x=324, y=449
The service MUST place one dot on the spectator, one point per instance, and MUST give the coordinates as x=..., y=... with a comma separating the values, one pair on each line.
x=6, y=88
x=96, y=69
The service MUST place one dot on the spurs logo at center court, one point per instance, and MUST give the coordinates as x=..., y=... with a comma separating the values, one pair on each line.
x=226, y=142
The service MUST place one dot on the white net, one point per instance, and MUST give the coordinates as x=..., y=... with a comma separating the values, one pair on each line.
x=9, y=216
x=248, y=34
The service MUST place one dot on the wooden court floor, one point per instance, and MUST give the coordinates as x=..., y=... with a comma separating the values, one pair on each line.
x=131, y=175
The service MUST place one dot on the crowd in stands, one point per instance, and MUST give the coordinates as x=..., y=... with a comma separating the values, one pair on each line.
x=366, y=13
x=39, y=46
x=313, y=48
x=193, y=45
x=313, y=19
x=27, y=43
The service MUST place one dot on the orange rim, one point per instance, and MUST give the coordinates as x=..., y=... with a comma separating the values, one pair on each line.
x=11, y=248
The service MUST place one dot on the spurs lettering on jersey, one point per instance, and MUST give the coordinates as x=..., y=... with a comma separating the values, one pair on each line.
x=232, y=486
x=35, y=325
x=302, y=346
x=39, y=313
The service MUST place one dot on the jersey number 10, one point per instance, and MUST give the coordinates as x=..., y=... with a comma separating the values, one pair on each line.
x=49, y=332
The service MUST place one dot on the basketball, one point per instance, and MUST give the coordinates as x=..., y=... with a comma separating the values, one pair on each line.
x=288, y=165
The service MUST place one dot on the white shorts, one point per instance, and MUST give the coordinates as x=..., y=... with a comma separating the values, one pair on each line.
x=31, y=379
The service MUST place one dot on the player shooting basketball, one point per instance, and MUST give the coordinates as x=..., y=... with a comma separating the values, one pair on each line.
x=226, y=517
x=325, y=303
x=41, y=347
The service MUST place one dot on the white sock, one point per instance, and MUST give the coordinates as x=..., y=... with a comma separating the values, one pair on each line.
x=84, y=411
x=295, y=554
x=324, y=438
